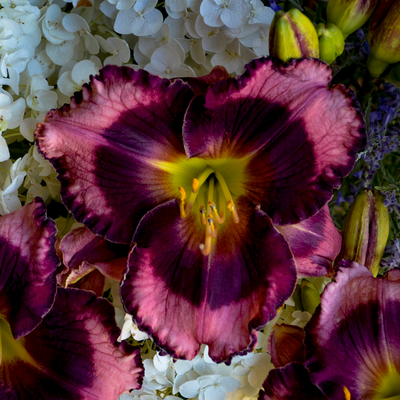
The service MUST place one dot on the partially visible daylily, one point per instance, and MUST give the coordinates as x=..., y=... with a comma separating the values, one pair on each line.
x=351, y=345
x=217, y=182
x=55, y=343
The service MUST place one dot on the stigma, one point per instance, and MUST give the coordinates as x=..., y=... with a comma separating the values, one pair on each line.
x=208, y=190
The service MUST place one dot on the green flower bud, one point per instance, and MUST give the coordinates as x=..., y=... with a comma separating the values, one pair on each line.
x=292, y=35
x=384, y=37
x=310, y=297
x=350, y=15
x=366, y=230
x=378, y=234
x=331, y=42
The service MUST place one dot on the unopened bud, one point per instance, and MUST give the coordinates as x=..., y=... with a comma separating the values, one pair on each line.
x=331, y=42
x=384, y=37
x=292, y=35
x=350, y=15
x=310, y=297
x=366, y=230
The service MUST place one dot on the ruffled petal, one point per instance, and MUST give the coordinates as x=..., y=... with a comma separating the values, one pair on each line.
x=315, y=243
x=108, y=147
x=28, y=267
x=183, y=298
x=83, y=249
x=290, y=382
x=72, y=355
x=200, y=85
x=352, y=341
x=298, y=135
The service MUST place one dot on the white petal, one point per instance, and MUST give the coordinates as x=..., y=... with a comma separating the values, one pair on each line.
x=108, y=9
x=189, y=389
x=75, y=23
x=14, y=113
x=211, y=13
x=82, y=71
x=4, y=152
x=123, y=22
x=149, y=25
x=234, y=15
x=60, y=54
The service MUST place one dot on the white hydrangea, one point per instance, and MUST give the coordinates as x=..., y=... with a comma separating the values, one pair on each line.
x=143, y=19
x=60, y=42
x=11, y=178
x=166, y=62
x=130, y=329
x=76, y=24
x=118, y=48
x=72, y=80
x=231, y=13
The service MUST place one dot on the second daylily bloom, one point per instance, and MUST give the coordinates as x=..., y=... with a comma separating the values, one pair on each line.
x=55, y=343
x=200, y=182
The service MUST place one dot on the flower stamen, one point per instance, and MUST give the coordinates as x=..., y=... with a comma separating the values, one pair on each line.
x=182, y=202
x=215, y=212
x=233, y=210
x=228, y=196
x=200, y=180
x=203, y=215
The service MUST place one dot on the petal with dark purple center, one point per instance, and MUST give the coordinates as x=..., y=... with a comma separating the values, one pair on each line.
x=28, y=263
x=72, y=354
x=315, y=243
x=183, y=298
x=352, y=341
x=290, y=382
x=81, y=246
x=107, y=147
x=298, y=135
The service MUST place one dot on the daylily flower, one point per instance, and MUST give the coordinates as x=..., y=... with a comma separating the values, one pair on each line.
x=198, y=185
x=351, y=344
x=55, y=343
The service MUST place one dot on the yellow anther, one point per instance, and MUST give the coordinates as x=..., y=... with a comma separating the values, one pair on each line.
x=182, y=202
x=233, y=210
x=195, y=185
x=203, y=215
x=346, y=392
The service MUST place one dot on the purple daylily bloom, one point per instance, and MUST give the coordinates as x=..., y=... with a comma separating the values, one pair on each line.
x=351, y=345
x=55, y=343
x=353, y=340
x=202, y=182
